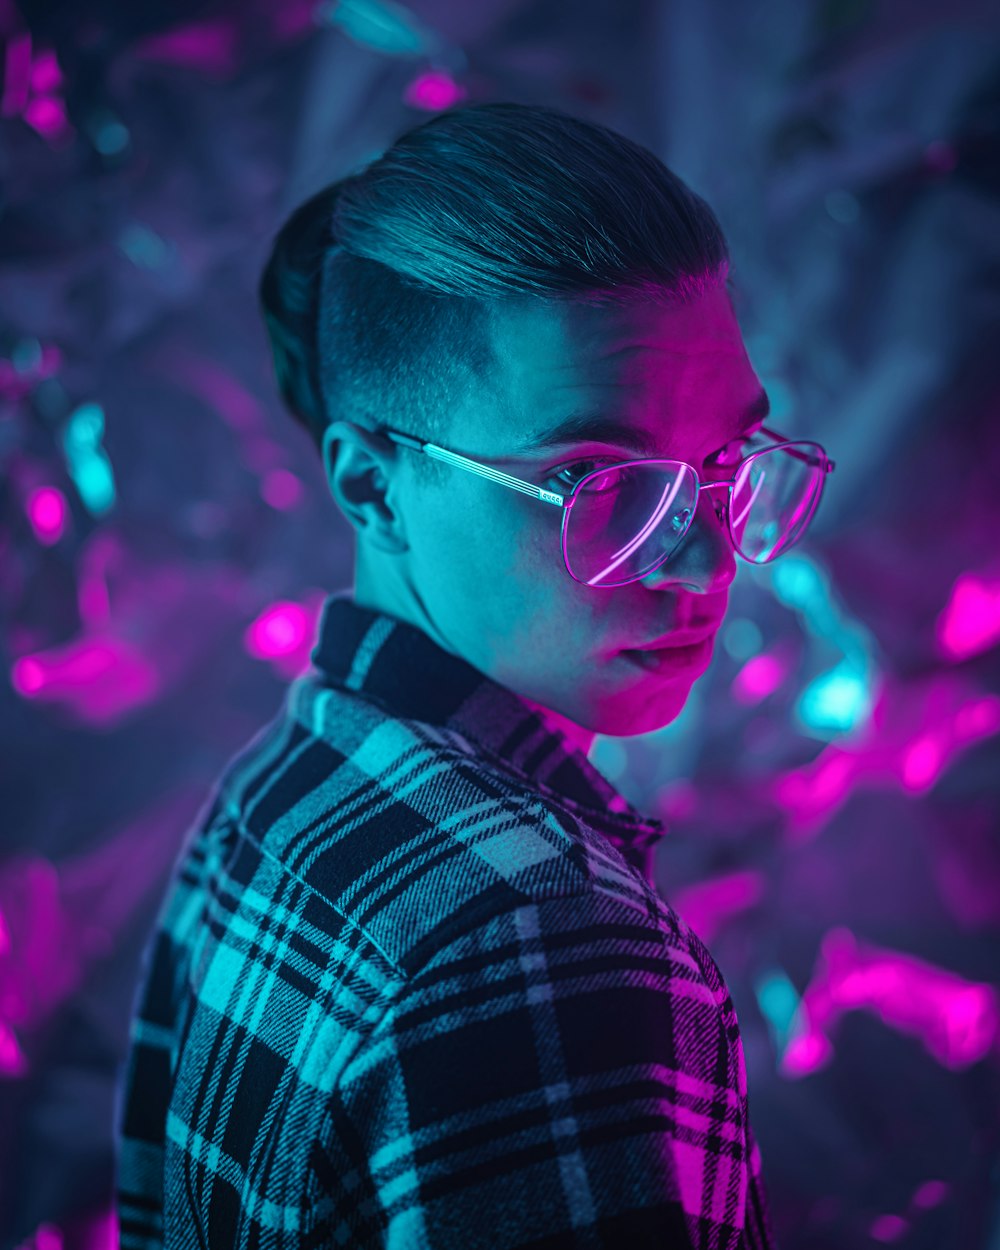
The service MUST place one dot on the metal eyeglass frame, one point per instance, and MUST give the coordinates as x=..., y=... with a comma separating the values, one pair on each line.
x=819, y=458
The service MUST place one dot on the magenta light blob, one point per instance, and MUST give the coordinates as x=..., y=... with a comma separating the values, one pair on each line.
x=760, y=676
x=47, y=116
x=46, y=76
x=958, y=1021
x=99, y=679
x=970, y=622
x=930, y=1194
x=922, y=764
x=888, y=1228
x=47, y=513
x=207, y=46
x=278, y=630
x=710, y=904
x=281, y=489
x=17, y=75
x=434, y=91
x=12, y=1058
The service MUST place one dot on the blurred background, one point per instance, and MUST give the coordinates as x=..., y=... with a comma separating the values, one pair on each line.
x=832, y=789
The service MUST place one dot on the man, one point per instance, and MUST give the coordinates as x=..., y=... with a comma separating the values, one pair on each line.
x=412, y=986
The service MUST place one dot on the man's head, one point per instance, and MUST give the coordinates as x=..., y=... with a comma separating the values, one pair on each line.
x=501, y=269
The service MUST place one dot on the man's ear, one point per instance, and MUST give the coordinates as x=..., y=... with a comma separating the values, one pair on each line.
x=362, y=472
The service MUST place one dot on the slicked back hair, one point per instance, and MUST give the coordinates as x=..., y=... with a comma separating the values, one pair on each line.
x=379, y=288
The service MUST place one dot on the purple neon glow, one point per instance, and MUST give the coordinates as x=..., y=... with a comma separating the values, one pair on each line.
x=46, y=76
x=707, y=906
x=99, y=679
x=760, y=676
x=284, y=634
x=15, y=382
x=434, y=91
x=47, y=116
x=48, y=513
x=888, y=1228
x=281, y=489
x=210, y=47
x=911, y=741
x=970, y=622
x=958, y=1021
x=17, y=75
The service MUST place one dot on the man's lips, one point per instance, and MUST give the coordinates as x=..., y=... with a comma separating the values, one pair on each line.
x=679, y=638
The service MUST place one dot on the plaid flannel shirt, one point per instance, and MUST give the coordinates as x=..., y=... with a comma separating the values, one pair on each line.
x=411, y=987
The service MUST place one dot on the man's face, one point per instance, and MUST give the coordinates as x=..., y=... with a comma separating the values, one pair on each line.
x=483, y=571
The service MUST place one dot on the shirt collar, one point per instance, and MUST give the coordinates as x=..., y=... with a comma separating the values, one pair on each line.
x=393, y=663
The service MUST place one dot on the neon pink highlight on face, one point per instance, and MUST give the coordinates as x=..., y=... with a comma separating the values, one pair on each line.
x=47, y=512
x=970, y=622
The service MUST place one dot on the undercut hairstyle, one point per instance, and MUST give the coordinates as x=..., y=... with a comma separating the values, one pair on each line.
x=379, y=290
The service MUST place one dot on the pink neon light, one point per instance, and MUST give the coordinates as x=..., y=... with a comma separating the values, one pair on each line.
x=226, y=394
x=281, y=489
x=99, y=678
x=209, y=46
x=915, y=735
x=760, y=676
x=921, y=764
x=888, y=1228
x=277, y=631
x=930, y=1194
x=434, y=91
x=48, y=1237
x=284, y=634
x=706, y=907
x=17, y=75
x=46, y=115
x=970, y=622
x=46, y=76
x=958, y=1021
x=47, y=513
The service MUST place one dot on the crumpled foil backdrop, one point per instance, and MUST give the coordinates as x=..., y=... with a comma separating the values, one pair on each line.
x=166, y=538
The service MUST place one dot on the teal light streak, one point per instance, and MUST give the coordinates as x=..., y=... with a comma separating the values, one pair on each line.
x=87, y=461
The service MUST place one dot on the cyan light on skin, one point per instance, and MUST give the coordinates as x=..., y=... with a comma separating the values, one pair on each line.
x=478, y=566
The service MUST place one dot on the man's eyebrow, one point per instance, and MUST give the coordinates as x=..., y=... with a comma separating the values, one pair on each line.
x=597, y=427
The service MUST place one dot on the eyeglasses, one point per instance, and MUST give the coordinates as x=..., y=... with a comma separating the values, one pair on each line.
x=622, y=521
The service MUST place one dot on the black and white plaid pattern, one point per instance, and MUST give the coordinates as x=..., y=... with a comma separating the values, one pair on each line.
x=411, y=987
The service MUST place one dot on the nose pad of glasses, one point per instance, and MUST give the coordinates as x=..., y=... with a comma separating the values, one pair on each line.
x=719, y=505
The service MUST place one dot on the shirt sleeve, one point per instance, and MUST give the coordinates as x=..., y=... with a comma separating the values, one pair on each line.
x=564, y=1074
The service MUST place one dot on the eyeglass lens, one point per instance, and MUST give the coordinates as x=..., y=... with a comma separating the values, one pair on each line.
x=627, y=520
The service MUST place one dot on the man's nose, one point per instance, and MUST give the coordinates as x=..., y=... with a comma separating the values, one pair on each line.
x=705, y=561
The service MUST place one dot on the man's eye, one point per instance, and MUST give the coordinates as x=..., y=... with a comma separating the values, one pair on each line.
x=733, y=452
x=573, y=473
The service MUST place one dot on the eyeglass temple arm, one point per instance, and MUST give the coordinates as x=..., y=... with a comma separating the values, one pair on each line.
x=808, y=457
x=529, y=488
x=483, y=470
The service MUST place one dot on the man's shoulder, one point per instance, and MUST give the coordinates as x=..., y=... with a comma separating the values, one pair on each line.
x=406, y=829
